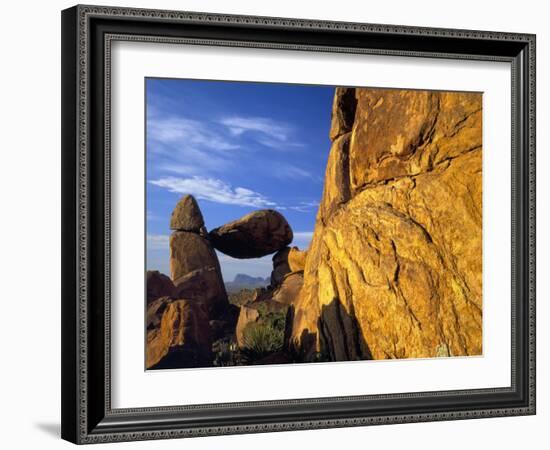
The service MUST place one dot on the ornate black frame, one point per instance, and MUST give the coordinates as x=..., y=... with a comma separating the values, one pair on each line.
x=87, y=416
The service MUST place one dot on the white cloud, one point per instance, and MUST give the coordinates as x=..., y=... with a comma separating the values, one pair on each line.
x=214, y=190
x=267, y=132
x=284, y=171
x=296, y=172
x=240, y=125
x=157, y=241
x=188, y=133
x=304, y=207
x=179, y=169
x=151, y=216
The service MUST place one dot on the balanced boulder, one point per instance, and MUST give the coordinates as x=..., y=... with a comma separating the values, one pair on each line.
x=187, y=216
x=255, y=235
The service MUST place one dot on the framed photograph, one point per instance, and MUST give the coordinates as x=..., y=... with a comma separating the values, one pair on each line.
x=282, y=224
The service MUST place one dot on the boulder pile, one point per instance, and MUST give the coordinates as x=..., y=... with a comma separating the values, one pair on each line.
x=181, y=307
x=189, y=311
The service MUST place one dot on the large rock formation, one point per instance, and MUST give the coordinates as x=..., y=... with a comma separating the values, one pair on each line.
x=203, y=285
x=180, y=310
x=394, y=269
x=252, y=236
x=182, y=339
x=189, y=252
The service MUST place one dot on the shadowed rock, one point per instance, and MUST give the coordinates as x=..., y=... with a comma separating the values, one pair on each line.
x=155, y=310
x=289, y=290
x=158, y=285
x=280, y=266
x=336, y=191
x=255, y=235
x=183, y=338
x=343, y=112
x=187, y=216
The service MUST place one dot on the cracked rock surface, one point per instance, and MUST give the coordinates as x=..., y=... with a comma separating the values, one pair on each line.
x=394, y=269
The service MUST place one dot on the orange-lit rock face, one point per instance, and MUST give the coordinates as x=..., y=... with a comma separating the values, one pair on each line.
x=297, y=259
x=182, y=339
x=394, y=269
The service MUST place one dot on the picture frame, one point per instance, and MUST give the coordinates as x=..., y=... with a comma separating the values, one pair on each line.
x=87, y=35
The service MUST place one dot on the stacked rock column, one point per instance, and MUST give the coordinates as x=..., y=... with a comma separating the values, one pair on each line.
x=192, y=258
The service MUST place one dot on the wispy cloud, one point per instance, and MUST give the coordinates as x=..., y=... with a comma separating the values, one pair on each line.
x=267, y=132
x=157, y=241
x=218, y=191
x=304, y=207
x=239, y=125
x=286, y=171
x=182, y=146
x=151, y=216
x=188, y=133
x=214, y=190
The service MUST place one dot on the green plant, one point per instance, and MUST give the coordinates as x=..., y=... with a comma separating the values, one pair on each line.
x=261, y=339
x=225, y=353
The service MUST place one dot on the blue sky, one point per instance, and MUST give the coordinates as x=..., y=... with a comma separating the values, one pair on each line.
x=237, y=147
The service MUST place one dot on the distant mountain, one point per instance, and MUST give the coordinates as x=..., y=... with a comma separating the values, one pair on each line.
x=243, y=281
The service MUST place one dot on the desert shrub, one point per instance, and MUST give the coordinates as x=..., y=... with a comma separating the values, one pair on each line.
x=276, y=319
x=225, y=353
x=261, y=339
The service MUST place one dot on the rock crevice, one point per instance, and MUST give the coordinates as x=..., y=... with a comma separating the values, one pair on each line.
x=396, y=253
